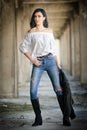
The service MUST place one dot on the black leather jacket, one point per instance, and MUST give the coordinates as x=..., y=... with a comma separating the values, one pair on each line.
x=66, y=99
x=65, y=86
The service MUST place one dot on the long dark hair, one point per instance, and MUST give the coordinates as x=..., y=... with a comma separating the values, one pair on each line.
x=45, y=22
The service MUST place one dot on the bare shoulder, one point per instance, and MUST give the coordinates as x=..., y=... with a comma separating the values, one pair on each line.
x=49, y=30
x=44, y=30
x=31, y=30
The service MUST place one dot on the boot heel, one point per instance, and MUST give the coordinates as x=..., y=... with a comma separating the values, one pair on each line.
x=66, y=122
x=72, y=115
x=36, y=123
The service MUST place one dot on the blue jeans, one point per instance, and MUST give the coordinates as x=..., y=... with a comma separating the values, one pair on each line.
x=49, y=65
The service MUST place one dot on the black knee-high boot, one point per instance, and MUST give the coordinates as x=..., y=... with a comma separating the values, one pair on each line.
x=72, y=114
x=36, y=108
x=65, y=110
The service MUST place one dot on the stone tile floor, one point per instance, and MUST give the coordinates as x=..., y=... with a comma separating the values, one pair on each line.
x=17, y=113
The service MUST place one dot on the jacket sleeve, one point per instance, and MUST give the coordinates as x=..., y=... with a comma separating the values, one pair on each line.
x=65, y=85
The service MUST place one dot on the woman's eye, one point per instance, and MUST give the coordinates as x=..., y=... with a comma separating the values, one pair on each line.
x=39, y=16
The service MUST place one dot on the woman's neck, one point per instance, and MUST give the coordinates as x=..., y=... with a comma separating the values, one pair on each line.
x=40, y=28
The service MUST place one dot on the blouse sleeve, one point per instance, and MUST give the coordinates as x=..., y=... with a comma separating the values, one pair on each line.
x=25, y=44
x=53, y=47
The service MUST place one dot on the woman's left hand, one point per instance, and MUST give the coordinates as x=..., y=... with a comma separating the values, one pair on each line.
x=59, y=66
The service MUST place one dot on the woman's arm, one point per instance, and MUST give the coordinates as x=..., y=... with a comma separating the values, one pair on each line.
x=57, y=61
x=33, y=60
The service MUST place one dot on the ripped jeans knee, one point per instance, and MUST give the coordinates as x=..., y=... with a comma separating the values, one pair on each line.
x=58, y=91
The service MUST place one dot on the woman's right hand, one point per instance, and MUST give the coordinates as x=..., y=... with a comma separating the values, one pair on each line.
x=36, y=62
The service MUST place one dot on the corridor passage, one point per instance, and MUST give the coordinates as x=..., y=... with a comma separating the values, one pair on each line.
x=17, y=113
x=68, y=20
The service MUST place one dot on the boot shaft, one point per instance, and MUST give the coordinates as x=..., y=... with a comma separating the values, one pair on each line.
x=36, y=106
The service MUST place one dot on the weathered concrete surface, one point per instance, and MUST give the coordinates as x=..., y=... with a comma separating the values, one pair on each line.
x=19, y=119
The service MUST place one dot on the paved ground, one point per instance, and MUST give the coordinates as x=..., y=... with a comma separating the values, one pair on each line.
x=17, y=114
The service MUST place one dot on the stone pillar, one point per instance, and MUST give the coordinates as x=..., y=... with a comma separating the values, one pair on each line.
x=24, y=66
x=7, y=50
x=72, y=49
x=65, y=49
x=75, y=48
x=83, y=40
x=68, y=49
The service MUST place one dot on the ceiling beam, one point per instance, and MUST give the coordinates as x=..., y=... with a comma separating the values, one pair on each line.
x=53, y=7
x=57, y=15
x=48, y=1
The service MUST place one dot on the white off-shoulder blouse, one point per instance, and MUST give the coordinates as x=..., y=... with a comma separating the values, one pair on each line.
x=38, y=44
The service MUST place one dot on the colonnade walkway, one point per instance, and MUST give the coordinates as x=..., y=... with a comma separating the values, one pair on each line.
x=17, y=113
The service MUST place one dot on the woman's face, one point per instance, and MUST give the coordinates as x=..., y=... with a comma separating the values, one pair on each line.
x=39, y=18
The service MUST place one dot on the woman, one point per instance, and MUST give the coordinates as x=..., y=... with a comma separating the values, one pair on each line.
x=38, y=46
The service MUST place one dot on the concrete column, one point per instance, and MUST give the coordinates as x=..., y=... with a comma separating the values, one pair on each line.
x=65, y=49
x=83, y=40
x=75, y=48
x=7, y=50
x=72, y=49
x=24, y=66
x=68, y=49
